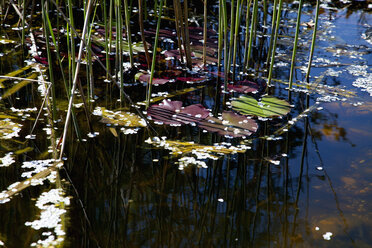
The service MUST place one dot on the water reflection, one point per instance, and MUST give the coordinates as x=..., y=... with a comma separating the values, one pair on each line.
x=308, y=188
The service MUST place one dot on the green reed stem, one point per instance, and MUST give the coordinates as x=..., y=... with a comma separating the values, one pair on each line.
x=252, y=31
x=47, y=32
x=119, y=46
x=220, y=35
x=68, y=115
x=90, y=78
x=148, y=97
x=127, y=25
x=142, y=30
x=236, y=33
x=71, y=41
x=272, y=32
x=225, y=35
x=231, y=42
x=313, y=42
x=249, y=3
x=275, y=40
x=56, y=47
x=105, y=23
x=293, y=61
x=205, y=34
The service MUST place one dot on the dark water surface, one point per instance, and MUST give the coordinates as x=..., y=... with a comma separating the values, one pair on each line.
x=308, y=187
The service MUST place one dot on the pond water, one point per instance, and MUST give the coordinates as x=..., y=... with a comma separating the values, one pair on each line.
x=308, y=184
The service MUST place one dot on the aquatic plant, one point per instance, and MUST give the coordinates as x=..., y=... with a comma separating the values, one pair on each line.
x=123, y=83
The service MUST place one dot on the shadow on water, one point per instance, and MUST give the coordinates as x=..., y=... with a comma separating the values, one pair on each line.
x=302, y=180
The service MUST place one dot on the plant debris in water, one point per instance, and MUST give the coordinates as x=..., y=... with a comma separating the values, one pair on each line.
x=190, y=153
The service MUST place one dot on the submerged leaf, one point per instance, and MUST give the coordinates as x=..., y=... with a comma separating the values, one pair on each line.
x=171, y=113
x=231, y=124
x=18, y=86
x=269, y=106
x=119, y=118
x=13, y=74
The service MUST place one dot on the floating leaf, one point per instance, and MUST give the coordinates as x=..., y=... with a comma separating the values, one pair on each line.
x=172, y=94
x=146, y=78
x=119, y=118
x=192, y=153
x=269, y=106
x=231, y=124
x=172, y=113
x=246, y=86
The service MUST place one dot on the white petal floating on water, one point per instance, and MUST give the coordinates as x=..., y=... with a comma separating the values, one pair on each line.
x=327, y=236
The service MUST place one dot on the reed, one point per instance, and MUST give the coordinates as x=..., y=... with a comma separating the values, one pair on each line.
x=148, y=96
x=23, y=21
x=236, y=33
x=313, y=41
x=47, y=31
x=273, y=19
x=74, y=85
x=178, y=29
x=293, y=61
x=106, y=25
x=232, y=28
x=225, y=35
x=205, y=4
x=220, y=35
x=127, y=26
x=246, y=39
x=252, y=31
x=142, y=31
x=277, y=24
x=119, y=48
x=187, y=38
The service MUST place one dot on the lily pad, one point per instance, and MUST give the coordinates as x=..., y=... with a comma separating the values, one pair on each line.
x=159, y=81
x=172, y=113
x=269, y=106
x=230, y=124
x=246, y=86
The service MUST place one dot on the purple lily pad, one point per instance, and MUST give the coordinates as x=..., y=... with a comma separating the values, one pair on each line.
x=246, y=86
x=231, y=124
x=172, y=113
x=190, y=79
x=159, y=81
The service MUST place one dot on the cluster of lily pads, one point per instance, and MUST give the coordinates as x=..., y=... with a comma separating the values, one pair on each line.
x=240, y=123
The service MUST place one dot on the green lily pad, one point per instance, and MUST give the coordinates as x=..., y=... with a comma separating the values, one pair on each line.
x=269, y=106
